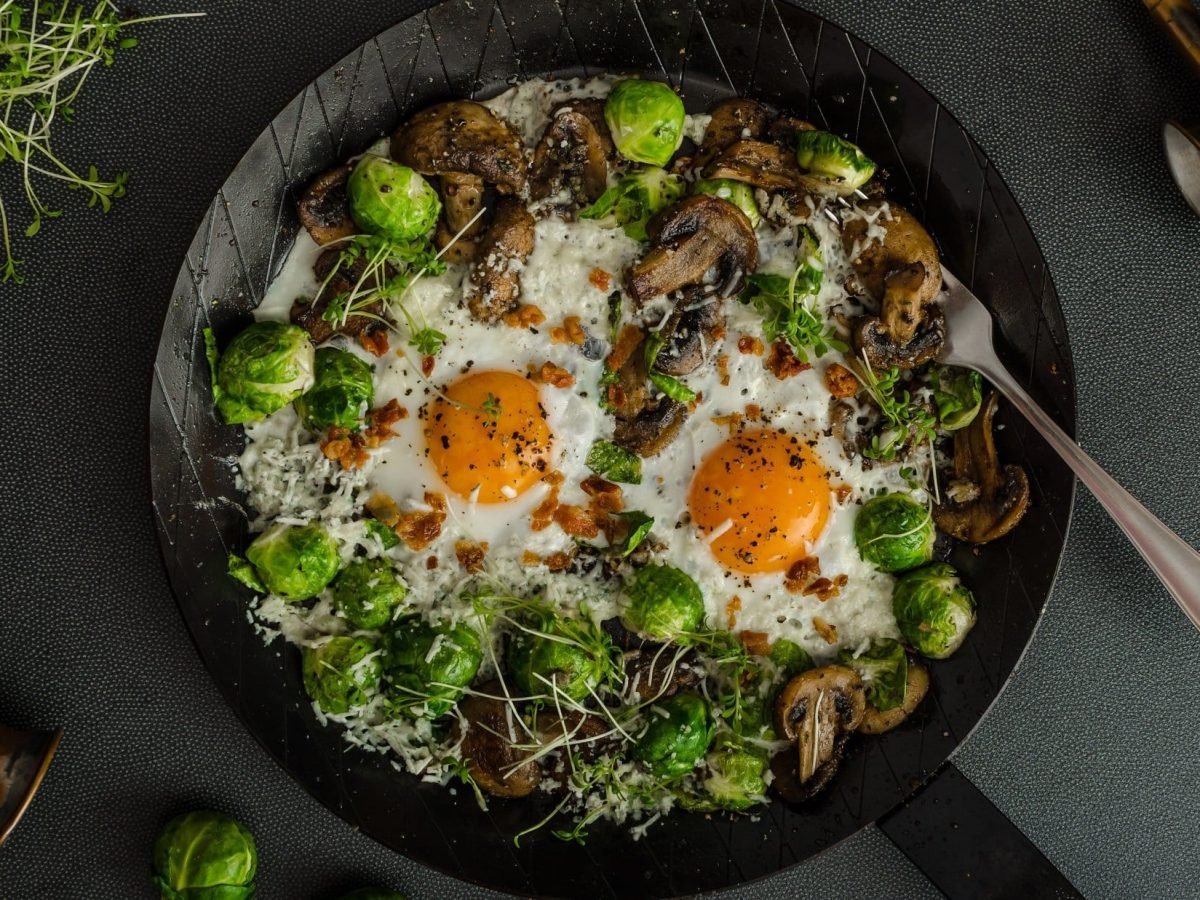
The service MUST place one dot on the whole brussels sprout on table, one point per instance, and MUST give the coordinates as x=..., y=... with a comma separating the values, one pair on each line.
x=343, y=390
x=368, y=592
x=294, y=561
x=264, y=368
x=645, y=119
x=205, y=855
x=391, y=200
x=894, y=532
x=934, y=610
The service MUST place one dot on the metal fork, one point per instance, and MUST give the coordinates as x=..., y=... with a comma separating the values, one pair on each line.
x=969, y=343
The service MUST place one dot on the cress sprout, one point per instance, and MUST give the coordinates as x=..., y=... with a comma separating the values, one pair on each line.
x=738, y=193
x=883, y=668
x=933, y=609
x=342, y=673
x=368, y=592
x=958, y=395
x=391, y=200
x=428, y=666
x=294, y=562
x=565, y=653
x=205, y=855
x=833, y=161
x=645, y=119
x=635, y=198
x=677, y=736
x=663, y=604
x=342, y=392
x=264, y=368
x=894, y=532
x=735, y=774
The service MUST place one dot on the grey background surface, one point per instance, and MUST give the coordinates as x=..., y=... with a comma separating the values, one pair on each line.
x=1093, y=750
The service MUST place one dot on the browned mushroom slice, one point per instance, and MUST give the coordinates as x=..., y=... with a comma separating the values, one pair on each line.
x=872, y=338
x=916, y=687
x=504, y=247
x=462, y=198
x=462, y=137
x=488, y=743
x=732, y=120
x=692, y=328
x=904, y=243
x=653, y=672
x=985, y=501
x=783, y=131
x=575, y=150
x=323, y=209
x=758, y=163
x=652, y=429
x=462, y=250
x=311, y=316
x=690, y=238
x=817, y=710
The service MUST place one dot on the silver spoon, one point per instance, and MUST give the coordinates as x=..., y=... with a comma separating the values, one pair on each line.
x=969, y=344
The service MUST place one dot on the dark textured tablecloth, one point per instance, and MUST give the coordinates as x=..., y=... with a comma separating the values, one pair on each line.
x=1093, y=750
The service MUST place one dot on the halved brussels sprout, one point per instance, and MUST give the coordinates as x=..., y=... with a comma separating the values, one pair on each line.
x=933, y=609
x=645, y=119
x=342, y=674
x=883, y=667
x=391, y=200
x=958, y=395
x=202, y=855
x=677, y=736
x=429, y=665
x=295, y=562
x=342, y=392
x=368, y=592
x=635, y=198
x=562, y=659
x=735, y=773
x=790, y=658
x=264, y=368
x=664, y=604
x=894, y=532
x=833, y=161
x=738, y=193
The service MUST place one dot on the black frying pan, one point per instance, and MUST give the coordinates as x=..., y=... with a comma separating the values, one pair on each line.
x=758, y=48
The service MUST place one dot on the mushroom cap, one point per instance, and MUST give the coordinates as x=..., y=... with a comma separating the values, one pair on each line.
x=915, y=688
x=648, y=432
x=462, y=198
x=310, y=316
x=495, y=282
x=817, y=710
x=692, y=327
x=462, y=136
x=323, y=208
x=905, y=242
x=731, y=120
x=870, y=336
x=761, y=164
x=494, y=763
x=576, y=146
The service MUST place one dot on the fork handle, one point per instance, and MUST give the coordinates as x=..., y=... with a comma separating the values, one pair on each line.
x=1171, y=558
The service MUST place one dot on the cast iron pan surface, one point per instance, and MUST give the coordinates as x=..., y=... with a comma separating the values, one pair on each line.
x=766, y=50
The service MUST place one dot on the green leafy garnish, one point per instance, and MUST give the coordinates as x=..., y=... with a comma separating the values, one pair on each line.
x=242, y=570
x=427, y=341
x=639, y=526
x=615, y=463
x=382, y=533
x=491, y=408
x=906, y=421
x=635, y=198
x=669, y=385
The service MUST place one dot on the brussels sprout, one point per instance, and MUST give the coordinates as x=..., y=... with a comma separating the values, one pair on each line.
x=635, y=198
x=264, y=368
x=790, y=658
x=735, y=774
x=833, y=160
x=883, y=667
x=738, y=193
x=677, y=737
x=386, y=536
x=664, y=604
x=295, y=562
x=205, y=855
x=894, y=532
x=367, y=592
x=615, y=463
x=933, y=609
x=429, y=665
x=957, y=394
x=564, y=657
x=373, y=893
x=343, y=391
x=239, y=569
x=391, y=200
x=645, y=119
x=342, y=673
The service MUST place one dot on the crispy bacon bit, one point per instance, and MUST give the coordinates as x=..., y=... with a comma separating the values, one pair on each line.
x=783, y=363
x=717, y=333
x=600, y=280
x=344, y=448
x=543, y=513
x=840, y=381
x=383, y=508
x=569, y=332
x=419, y=528
x=525, y=316
x=827, y=631
x=431, y=563
x=732, y=421
x=825, y=589
x=801, y=573
x=555, y=376
x=615, y=396
x=750, y=345
x=757, y=643
x=723, y=368
x=427, y=365
x=470, y=554
x=753, y=412
x=380, y=422
x=554, y=478
x=627, y=342
x=529, y=558
x=732, y=608
x=605, y=495
x=558, y=562
x=842, y=492
x=374, y=342
x=576, y=521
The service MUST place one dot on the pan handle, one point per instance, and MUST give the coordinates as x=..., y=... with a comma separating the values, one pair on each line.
x=1181, y=21
x=967, y=847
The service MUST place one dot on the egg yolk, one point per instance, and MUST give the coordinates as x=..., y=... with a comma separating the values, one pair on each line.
x=489, y=432
x=765, y=496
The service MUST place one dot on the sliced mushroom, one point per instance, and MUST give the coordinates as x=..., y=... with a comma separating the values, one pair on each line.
x=310, y=316
x=871, y=337
x=692, y=328
x=758, y=163
x=589, y=734
x=463, y=250
x=652, y=429
x=488, y=731
x=732, y=120
x=783, y=131
x=466, y=138
x=654, y=672
x=690, y=238
x=503, y=249
x=986, y=500
x=462, y=198
x=916, y=687
x=817, y=710
x=575, y=150
x=323, y=208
